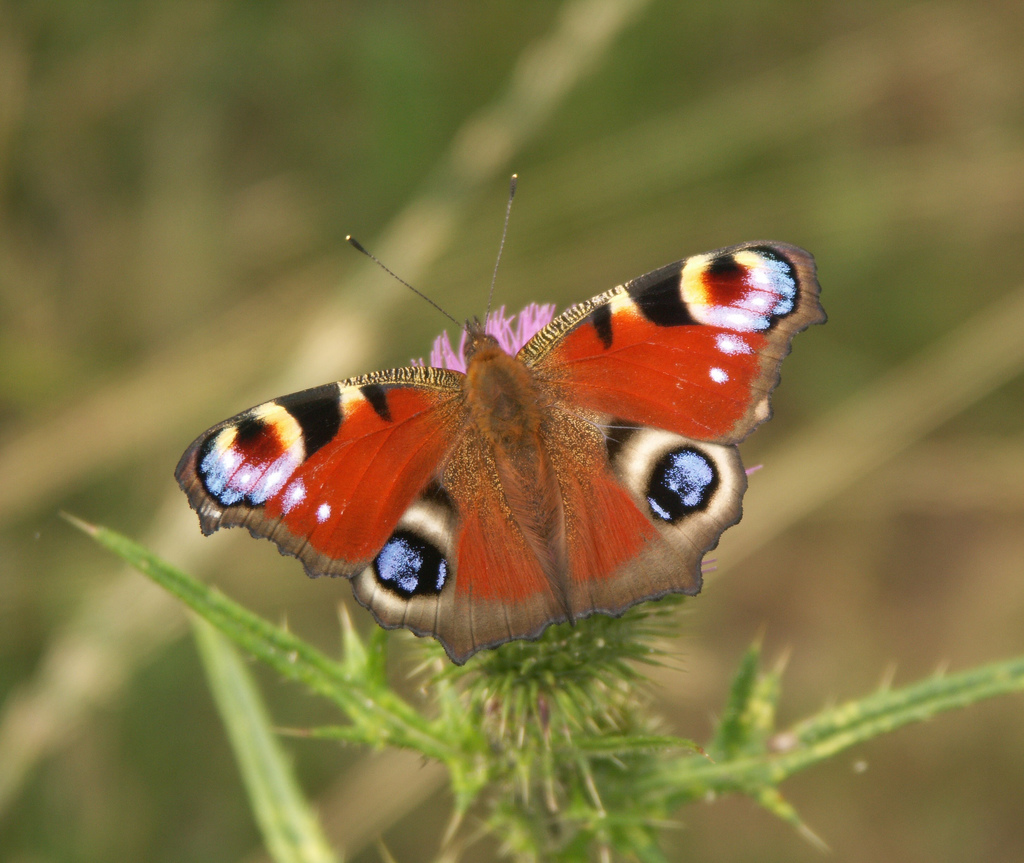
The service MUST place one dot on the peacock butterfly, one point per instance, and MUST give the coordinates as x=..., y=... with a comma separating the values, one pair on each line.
x=546, y=470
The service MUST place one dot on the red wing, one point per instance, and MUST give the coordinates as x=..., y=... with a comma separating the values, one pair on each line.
x=327, y=473
x=642, y=508
x=456, y=567
x=693, y=348
x=638, y=522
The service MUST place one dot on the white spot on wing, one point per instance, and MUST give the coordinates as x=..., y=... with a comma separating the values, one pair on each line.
x=733, y=318
x=296, y=493
x=731, y=345
x=776, y=275
x=661, y=511
x=323, y=512
x=217, y=470
x=719, y=376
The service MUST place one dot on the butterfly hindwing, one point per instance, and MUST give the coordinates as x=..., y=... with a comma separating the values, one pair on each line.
x=496, y=589
x=641, y=508
x=689, y=490
x=694, y=347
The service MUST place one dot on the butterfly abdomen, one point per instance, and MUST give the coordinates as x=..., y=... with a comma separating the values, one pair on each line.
x=504, y=404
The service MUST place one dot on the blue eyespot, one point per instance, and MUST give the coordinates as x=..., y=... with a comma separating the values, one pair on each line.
x=683, y=481
x=410, y=566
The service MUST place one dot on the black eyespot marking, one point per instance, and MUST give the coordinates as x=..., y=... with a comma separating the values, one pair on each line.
x=601, y=318
x=210, y=468
x=724, y=266
x=683, y=481
x=377, y=396
x=662, y=303
x=247, y=430
x=616, y=433
x=216, y=469
x=410, y=566
x=318, y=413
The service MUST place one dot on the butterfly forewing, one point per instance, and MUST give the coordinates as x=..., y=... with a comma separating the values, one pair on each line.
x=326, y=473
x=694, y=347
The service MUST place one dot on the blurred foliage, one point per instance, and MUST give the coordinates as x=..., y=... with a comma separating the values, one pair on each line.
x=176, y=180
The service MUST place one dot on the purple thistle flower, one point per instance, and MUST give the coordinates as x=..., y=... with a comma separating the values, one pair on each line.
x=511, y=332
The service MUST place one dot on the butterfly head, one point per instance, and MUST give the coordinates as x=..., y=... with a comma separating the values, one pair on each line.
x=477, y=339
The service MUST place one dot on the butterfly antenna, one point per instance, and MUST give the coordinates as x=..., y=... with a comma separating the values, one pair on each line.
x=355, y=244
x=501, y=246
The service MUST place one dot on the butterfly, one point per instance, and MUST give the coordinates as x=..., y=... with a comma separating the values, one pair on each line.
x=541, y=473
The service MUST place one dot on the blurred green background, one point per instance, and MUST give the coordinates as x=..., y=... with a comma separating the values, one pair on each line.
x=176, y=181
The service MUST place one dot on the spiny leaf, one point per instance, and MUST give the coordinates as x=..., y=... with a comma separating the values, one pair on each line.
x=555, y=729
x=734, y=728
x=615, y=744
x=774, y=802
x=381, y=715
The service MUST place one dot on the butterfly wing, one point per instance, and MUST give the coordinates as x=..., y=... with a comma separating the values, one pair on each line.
x=326, y=473
x=693, y=348
x=667, y=372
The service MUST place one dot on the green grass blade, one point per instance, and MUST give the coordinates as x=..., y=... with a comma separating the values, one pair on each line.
x=380, y=716
x=290, y=830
